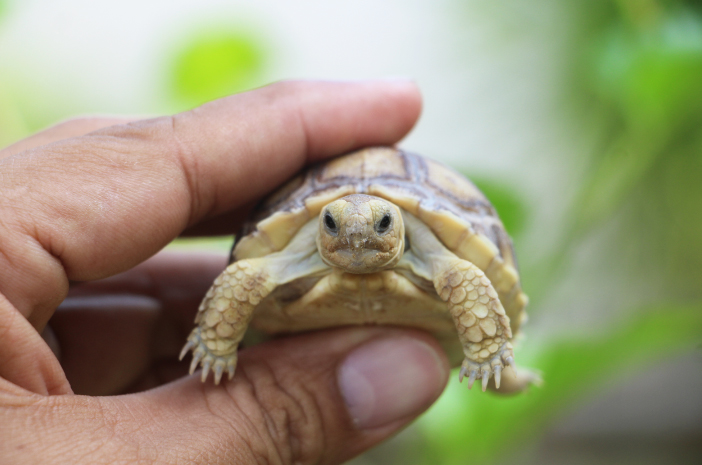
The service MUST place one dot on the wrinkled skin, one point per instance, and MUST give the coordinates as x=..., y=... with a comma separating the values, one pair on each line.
x=83, y=207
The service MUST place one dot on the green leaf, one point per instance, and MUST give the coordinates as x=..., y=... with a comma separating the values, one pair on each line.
x=666, y=218
x=506, y=201
x=651, y=76
x=217, y=63
x=469, y=426
x=622, y=167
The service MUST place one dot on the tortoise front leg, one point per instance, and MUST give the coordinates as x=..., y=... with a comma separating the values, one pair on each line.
x=229, y=305
x=483, y=327
x=225, y=314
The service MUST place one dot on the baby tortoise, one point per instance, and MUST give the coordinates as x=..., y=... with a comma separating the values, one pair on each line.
x=378, y=236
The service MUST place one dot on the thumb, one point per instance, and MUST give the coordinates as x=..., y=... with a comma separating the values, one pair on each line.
x=314, y=398
x=317, y=398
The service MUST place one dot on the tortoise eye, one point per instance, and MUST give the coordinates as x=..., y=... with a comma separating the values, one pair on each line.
x=329, y=222
x=384, y=224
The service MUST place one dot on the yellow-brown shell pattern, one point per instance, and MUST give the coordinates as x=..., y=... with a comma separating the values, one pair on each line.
x=452, y=206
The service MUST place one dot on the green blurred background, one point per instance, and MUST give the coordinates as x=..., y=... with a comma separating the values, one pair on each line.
x=581, y=120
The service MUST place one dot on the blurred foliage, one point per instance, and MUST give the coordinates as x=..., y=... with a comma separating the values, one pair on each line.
x=483, y=428
x=216, y=63
x=510, y=206
x=653, y=161
x=7, y=115
x=13, y=117
x=647, y=74
x=637, y=66
x=221, y=244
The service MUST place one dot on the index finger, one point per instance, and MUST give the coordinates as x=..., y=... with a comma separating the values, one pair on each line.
x=95, y=205
x=63, y=130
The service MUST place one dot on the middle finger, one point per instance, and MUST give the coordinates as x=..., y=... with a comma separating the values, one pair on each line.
x=114, y=331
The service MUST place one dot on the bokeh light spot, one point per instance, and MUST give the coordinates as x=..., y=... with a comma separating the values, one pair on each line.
x=215, y=64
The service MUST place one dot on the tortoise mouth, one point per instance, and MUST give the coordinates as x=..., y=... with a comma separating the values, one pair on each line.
x=360, y=246
x=359, y=257
x=363, y=259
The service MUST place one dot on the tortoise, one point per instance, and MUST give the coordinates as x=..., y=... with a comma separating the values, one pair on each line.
x=377, y=236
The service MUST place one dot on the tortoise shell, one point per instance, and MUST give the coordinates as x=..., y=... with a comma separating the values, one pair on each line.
x=452, y=206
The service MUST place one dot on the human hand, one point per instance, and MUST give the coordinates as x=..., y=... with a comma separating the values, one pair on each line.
x=85, y=204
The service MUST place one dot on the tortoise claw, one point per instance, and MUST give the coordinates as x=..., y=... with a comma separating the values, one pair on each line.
x=197, y=356
x=483, y=370
x=498, y=376
x=205, y=369
x=218, y=370
x=471, y=379
x=189, y=345
x=485, y=375
x=209, y=361
x=462, y=373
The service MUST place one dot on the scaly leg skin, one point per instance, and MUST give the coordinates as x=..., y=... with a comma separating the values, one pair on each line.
x=483, y=327
x=224, y=315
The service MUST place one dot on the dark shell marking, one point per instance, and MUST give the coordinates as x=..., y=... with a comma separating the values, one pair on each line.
x=423, y=186
x=414, y=179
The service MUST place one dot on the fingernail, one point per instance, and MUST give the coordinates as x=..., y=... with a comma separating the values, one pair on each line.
x=389, y=379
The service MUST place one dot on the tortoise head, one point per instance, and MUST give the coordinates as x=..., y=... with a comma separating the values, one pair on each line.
x=361, y=234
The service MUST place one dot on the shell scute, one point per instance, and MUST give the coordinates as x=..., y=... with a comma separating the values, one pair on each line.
x=451, y=205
